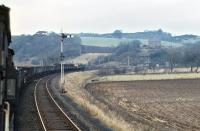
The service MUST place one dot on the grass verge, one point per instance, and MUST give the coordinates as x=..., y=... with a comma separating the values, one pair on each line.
x=75, y=88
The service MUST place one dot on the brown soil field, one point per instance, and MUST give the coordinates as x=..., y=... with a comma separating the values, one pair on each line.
x=152, y=105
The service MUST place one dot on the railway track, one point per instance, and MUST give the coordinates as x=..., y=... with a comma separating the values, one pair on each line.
x=51, y=115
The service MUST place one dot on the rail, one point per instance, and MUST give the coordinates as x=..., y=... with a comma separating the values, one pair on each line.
x=67, y=119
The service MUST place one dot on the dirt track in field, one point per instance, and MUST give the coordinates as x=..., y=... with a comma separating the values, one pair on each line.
x=154, y=105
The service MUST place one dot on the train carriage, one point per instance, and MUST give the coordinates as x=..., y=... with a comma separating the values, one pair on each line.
x=7, y=71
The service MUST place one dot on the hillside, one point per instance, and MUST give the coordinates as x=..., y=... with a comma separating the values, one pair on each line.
x=86, y=58
x=113, y=39
x=113, y=42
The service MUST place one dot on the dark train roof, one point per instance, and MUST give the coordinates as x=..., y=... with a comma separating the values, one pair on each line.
x=5, y=18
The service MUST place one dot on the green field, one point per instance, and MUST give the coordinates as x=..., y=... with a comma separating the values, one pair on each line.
x=108, y=42
x=103, y=42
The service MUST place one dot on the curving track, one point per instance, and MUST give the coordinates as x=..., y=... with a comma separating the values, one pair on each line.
x=51, y=115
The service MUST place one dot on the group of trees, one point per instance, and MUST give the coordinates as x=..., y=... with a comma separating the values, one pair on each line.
x=185, y=56
x=127, y=50
x=42, y=46
x=188, y=55
x=118, y=34
x=121, y=53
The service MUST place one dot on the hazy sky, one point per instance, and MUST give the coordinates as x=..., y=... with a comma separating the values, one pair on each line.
x=176, y=16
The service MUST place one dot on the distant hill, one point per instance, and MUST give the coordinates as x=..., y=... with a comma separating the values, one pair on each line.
x=156, y=34
x=44, y=47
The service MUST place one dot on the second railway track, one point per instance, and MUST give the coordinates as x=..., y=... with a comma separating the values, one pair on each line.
x=51, y=115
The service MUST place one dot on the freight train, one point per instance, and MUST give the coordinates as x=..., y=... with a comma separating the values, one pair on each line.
x=12, y=78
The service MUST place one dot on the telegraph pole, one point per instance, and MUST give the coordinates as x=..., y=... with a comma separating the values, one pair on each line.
x=62, y=79
x=63, y=36
x=128, y=62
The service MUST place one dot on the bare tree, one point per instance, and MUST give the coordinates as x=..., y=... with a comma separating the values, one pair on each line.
x=174, y=57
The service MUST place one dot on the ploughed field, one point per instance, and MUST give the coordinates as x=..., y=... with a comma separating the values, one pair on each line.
x=152, y=104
